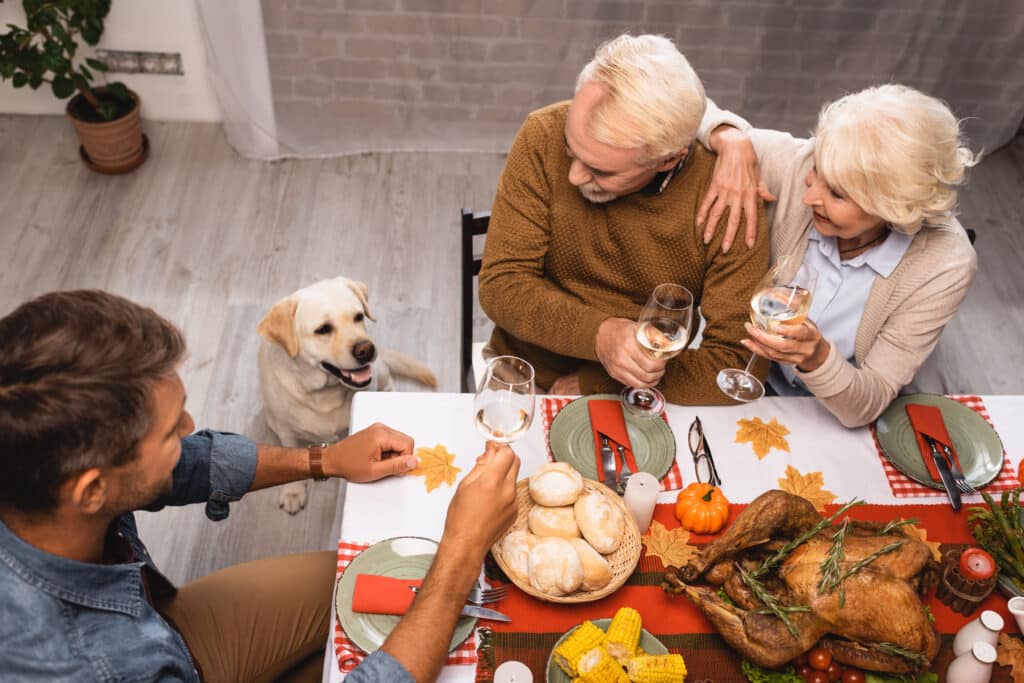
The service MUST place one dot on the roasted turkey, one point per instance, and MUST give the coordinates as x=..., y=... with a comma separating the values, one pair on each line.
x=881, y=625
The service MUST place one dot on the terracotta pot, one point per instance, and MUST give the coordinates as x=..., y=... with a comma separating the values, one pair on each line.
x=112, y=147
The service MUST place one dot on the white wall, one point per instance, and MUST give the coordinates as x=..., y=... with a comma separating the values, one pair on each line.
x=150, y=25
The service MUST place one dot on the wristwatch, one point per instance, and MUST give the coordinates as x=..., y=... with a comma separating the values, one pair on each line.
x=316, y=461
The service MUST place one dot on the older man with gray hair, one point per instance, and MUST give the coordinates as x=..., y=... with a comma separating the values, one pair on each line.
x=597, y=205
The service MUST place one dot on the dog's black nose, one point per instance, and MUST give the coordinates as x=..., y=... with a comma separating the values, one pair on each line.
x=364, y=351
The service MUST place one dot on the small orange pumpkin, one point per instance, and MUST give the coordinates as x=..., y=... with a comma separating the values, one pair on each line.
x=702, y=508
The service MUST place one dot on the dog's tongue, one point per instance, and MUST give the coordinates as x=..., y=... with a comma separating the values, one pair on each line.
x=362, y=375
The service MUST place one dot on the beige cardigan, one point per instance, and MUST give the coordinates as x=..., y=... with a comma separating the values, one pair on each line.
x=905, y=312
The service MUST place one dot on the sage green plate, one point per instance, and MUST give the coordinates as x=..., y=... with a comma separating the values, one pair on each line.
x=648, y=644
x=977, y=445
x=572, y=439
x=404, y=557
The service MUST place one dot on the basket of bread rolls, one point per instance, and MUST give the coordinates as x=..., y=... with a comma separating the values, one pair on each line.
x=573, y=540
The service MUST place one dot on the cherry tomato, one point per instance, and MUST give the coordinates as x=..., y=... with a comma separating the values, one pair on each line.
x=853, y=676
x=817, y=677
x=800, y=661
x=834, y=671
x=819, y=658
x=804, y=671
x=976, y=564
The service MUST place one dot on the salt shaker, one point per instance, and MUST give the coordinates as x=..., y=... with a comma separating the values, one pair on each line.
x=984, y=629
x=974, y=666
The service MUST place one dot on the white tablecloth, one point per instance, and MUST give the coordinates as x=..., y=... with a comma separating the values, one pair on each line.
x=847, y=459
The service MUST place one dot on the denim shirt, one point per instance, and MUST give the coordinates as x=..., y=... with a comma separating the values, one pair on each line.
x=64, y=620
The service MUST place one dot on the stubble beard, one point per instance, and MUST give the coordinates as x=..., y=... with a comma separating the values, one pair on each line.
x=592, y=193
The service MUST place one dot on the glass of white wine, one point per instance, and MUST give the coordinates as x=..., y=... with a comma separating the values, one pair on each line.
x=780, y=299
x=662, y=330
x=503, y=406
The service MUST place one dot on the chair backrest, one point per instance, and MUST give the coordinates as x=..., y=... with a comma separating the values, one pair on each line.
x=473, y=224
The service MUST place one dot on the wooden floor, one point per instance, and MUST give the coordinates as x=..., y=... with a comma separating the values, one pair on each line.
x=212, y=240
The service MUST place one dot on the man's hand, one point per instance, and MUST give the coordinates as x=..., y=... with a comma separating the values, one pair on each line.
x=566, y=386
x=484, y=505
x=735, y=185
x=373, y=453
x=800, y=345
x=622, y=357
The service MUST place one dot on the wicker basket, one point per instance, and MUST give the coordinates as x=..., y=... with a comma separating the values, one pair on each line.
x=623, y=560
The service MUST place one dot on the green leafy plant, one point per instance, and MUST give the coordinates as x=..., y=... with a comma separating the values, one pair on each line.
x=45, y=50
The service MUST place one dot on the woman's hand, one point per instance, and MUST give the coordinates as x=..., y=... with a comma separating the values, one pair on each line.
x=800, y=345
x=735, y=185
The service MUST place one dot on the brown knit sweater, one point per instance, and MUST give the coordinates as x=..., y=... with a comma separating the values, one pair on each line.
x=556, y=265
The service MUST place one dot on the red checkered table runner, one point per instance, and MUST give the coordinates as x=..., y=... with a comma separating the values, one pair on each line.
x=349, y=654
x=904, y=487
x=672, y=480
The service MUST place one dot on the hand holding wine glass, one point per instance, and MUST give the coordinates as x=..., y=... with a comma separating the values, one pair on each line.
x=662, y=331
x=503, y=406
x=781, y=298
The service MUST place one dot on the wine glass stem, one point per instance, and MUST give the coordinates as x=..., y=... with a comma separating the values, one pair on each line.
x=750, y=363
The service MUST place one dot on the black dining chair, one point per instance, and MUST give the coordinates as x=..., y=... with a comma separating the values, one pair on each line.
x=474, y=224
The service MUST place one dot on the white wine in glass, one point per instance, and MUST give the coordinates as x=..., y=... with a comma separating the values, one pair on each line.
x=662, y=330
x=780, y=299
x=503, y=406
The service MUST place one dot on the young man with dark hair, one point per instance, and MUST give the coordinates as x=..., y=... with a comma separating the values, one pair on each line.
x=93, y=426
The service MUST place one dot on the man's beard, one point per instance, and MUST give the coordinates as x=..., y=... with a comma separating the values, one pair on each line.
x=592, y=193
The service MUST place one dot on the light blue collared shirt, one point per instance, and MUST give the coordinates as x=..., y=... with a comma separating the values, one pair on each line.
x=840, y=296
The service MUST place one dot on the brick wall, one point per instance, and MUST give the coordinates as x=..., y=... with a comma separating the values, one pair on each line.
x=483, y=64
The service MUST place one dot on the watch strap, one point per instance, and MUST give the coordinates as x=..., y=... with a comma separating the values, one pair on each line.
x=316, y=461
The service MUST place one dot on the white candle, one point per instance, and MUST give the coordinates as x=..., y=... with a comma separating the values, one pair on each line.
x=641, y=494
x=513, y=672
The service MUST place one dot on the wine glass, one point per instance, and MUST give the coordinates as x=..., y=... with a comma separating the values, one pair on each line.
x=503, y=406
x=780, y=298
x=662, y=330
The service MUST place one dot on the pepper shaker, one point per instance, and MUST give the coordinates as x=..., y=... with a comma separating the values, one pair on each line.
x=974, y=666
x=984, y=629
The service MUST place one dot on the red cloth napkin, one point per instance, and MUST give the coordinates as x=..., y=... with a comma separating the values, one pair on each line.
x=382, y=594
x=928, y=419
x=606, y=418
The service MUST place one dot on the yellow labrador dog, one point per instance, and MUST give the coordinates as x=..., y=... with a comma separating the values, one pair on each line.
x=315, y=354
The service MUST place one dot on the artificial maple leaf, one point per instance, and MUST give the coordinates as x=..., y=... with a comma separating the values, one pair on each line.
x=921, y=534
x=763, y=437
x=1010, y=652
x=436, y=466
x=807, y=486
x=671, y=547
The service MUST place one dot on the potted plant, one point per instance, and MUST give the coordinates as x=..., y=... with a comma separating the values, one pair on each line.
x=45, y=49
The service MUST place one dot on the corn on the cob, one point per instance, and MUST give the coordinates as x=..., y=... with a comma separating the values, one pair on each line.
x=584, y=639
x=657, y=669
x=623, y=633
x=597, y=666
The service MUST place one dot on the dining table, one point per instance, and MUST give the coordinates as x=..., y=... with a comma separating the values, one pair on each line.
x=811, y=443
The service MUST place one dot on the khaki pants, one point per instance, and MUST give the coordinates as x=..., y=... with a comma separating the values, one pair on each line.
x=260, y=621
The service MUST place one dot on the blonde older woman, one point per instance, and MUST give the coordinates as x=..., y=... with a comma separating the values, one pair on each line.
x=869, y=202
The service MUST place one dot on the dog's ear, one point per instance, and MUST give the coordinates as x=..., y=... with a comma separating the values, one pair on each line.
x=360, y=290
x=279, y=326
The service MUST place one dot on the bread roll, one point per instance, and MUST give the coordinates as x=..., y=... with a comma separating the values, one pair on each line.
x=559, y=522
x=515, y=552
x=556, y=484
x=555, y=567
x=597, y=573
x=600, y=522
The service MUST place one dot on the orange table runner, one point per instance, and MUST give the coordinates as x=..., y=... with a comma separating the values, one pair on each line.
x=679, y=624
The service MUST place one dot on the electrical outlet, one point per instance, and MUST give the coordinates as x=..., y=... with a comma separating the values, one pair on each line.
x=137, y=62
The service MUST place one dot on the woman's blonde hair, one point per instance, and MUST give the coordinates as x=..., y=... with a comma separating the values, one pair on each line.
x=653, y=99
x=896, y=152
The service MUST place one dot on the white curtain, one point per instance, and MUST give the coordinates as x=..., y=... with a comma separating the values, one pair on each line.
x=313, y=78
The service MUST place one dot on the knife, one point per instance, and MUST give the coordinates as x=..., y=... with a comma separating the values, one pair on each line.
x=607, y=463
x=947, y=477
x=484, y=613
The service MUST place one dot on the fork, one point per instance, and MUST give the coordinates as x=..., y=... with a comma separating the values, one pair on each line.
x=959, y=480
x=479, y=596
x=625, y=473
